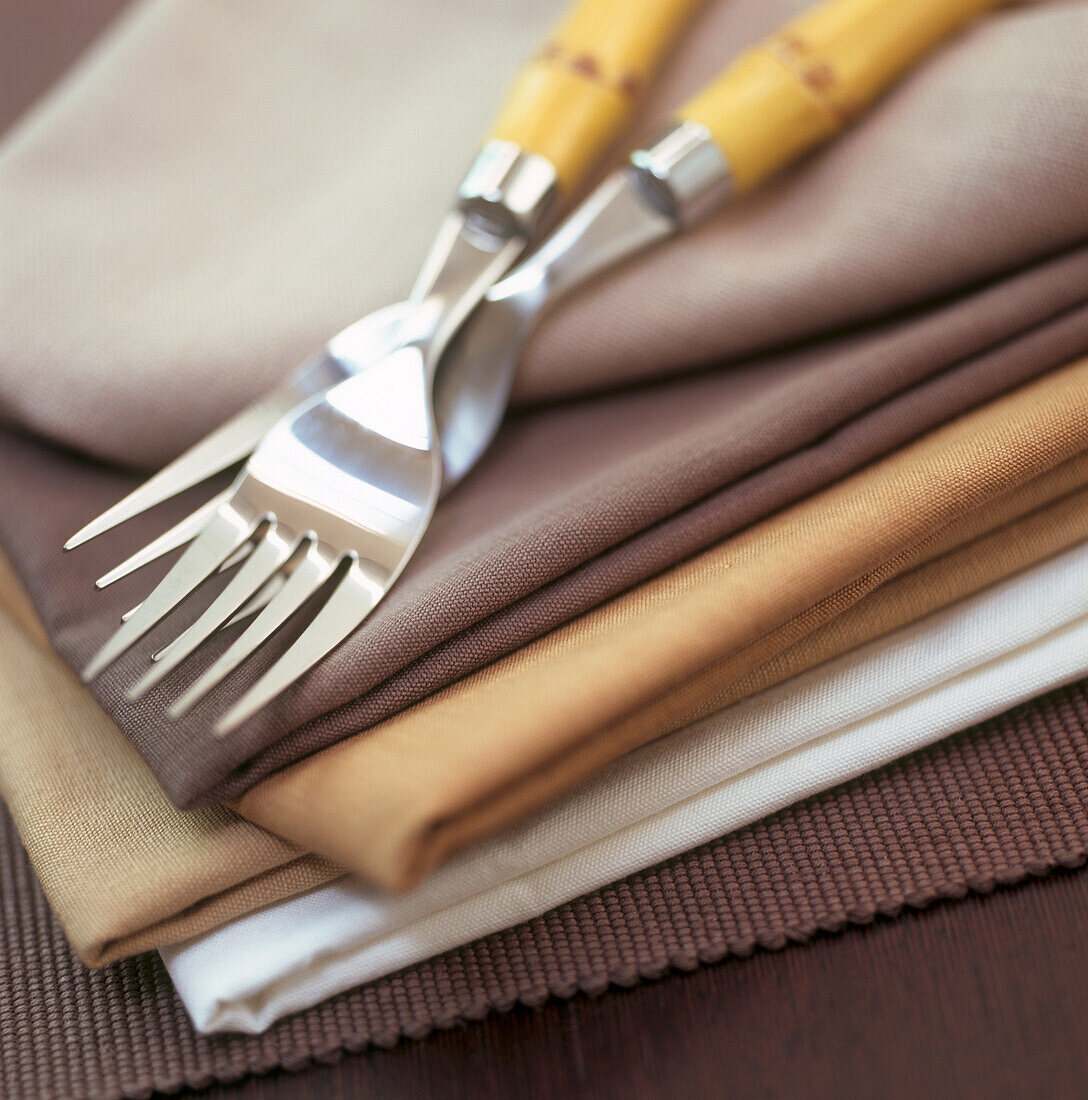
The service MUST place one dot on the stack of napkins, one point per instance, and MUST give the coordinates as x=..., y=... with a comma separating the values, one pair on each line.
x=789, y=498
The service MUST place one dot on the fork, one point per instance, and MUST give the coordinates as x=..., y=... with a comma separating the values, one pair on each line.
x=342, y=490
x=564, y=109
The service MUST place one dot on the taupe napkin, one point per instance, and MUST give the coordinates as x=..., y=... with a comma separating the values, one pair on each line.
x=217, y=189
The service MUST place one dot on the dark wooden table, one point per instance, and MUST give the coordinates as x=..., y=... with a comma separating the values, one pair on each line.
x=981, y=997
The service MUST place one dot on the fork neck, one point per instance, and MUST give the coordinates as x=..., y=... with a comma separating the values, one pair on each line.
x=500, y=204
x=661, y=190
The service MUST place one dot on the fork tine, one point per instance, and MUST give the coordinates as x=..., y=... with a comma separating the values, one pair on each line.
x=261, y=600
x=240, y=554
x=349, y=604
x=178, y=535
x=225, y=531
x=233, y=559
x=263, y=595
x=250, y=607
x=272, y=549
x=229, y=443
x=309, y=574
x=268, y=555
x=254, y=602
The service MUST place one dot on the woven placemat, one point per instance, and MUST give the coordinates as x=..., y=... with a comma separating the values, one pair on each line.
x=995, y=804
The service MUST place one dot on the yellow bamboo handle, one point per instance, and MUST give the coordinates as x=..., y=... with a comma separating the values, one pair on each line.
x=571, y=101
x=801, y=84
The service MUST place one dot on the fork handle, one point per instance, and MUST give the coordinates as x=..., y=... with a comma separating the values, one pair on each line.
x=575, y=98
x=807, y=80
x=760, y=114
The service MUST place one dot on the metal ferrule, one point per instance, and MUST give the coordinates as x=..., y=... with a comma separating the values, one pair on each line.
x=683, y=174
x=499, y=204
x=507, y=190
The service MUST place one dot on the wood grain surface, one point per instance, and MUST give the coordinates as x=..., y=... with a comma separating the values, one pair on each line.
x=982, y=997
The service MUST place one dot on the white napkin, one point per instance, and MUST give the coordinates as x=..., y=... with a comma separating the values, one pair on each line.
x=904, y=691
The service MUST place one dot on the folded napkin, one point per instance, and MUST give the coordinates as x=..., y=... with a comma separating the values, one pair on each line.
x=393, y=802
x=119, y=1032
x=124, y=871
x=245, y=215
x=578, y=501
x=951, y=670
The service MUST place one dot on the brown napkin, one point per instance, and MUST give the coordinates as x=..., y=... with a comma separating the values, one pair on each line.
x=486, y=582
x=576, y=502
x=125, y=871
x=394, y=801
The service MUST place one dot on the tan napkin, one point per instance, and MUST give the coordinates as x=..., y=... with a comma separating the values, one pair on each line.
x=394, y=801
x=124, y=870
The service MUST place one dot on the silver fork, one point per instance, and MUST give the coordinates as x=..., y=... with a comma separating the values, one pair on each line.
x=368, y=525
x=502, y=200
x=342, y=489
x=347, y=483
x=562, y=111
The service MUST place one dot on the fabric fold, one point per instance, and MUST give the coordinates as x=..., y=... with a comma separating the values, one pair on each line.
x=919, y=684
x=57, y=739
x=160, y=172
x=393, y=802
x=1020, y=809
x=124, y=870
x=1001, y=802
x=779, y=348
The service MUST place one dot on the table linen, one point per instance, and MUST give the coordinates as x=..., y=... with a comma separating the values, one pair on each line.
x=394, y=801
x=1016, y=640
x=584, y=498
x=126, y=872
x=1000, y=803
x=153, y=1046
x=235, y=261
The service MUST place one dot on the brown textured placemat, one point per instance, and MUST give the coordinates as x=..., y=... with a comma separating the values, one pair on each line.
x=983, y=997
x=1002, y=801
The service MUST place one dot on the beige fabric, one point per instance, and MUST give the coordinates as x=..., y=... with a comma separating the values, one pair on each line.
x=394, y=801
x=124, y=870
x=174, y=245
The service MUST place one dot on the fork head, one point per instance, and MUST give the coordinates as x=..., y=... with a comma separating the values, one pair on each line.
x=340, y=491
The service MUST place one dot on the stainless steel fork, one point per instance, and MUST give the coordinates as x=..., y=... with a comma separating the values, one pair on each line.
x=564, y=109
x=347, y=483
x=341, y=490
x=368, y=525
